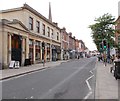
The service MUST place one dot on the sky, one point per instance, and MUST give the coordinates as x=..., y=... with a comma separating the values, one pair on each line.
x=74, y=15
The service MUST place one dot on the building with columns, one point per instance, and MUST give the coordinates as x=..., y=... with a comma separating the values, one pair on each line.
x=23, y=32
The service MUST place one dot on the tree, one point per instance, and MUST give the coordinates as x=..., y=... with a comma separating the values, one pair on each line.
x=103, y=29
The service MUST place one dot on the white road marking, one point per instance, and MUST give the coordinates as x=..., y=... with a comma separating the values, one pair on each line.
x=62, y=82
x=91, y=72
x=88, y=84
x=87, y=96
x=31, y=97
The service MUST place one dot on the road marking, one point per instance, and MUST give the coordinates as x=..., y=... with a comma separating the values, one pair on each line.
x=91, y=72
x=88, y=84
x=89, y=87
x=31, y=97
x=87, y=96
x=62, y=82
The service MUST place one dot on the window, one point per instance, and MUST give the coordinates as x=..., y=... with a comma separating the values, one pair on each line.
x=52, y=33
x=43, y=29
x=118, y=38
x=48, y=31
x=30, y=42
x=37, y=47
x=30, y=23
x=57, y=36
x=38, y=26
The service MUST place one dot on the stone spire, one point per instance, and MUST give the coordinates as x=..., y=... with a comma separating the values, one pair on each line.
x=50, y=15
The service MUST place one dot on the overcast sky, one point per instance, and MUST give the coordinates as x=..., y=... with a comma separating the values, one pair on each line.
x=75, y=15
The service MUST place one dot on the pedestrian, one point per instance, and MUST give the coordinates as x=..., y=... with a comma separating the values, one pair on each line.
x=43, y=62
x=104, y=59
x=112, y=58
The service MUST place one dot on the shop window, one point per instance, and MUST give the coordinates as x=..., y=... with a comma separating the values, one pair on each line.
x=118, y=38
x=37, y=48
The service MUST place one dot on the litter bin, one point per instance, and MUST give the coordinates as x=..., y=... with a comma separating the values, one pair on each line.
x=27, y=62
x=117, y=70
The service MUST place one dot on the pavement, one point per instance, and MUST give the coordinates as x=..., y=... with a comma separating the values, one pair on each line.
x=9, y=73
x=106, y=84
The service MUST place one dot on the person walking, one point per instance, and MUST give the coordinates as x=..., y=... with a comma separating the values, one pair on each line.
x=104, y=59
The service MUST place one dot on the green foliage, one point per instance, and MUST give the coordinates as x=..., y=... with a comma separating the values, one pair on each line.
x=103, y=29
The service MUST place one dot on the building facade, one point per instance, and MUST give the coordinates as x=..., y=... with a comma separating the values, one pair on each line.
x=27, y=34
x=117, y=34
x=64, y=44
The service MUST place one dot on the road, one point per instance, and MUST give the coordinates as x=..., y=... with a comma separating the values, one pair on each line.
x=71, y=80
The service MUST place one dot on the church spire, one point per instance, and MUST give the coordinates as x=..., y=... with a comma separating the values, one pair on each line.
x=50, y=15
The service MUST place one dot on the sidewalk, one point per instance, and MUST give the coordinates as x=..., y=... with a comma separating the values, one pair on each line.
x=8, y=73
x=106, y=84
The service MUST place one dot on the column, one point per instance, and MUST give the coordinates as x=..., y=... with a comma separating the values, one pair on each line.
x=61, y=54
x=50, y=52
x=41, y=51
x=23, y=50
x=45, y=55
x=27, y=48
x=5, y=50
x=34, y=51
x=9, y=47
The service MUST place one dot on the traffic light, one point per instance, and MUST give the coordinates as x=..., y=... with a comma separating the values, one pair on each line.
x=104, y=44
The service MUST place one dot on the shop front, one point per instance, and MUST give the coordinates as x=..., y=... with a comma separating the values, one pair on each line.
x=37, y=51
x=16, y=48
x=31, y=50
x=54, y=53
x=48, y=52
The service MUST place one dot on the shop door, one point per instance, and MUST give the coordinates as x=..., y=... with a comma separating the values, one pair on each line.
x=16, y=48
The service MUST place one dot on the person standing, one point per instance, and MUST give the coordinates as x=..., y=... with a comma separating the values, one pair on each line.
x=104, y=59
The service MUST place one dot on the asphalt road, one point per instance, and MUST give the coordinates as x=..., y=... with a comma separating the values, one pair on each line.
x=72, y=80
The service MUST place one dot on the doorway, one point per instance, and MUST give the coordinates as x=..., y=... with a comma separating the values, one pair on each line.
x=16, y=48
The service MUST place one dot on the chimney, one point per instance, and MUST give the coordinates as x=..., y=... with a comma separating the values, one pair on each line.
x=55, y=24
x=74, y=37
x=50, y=14
x=70, y=34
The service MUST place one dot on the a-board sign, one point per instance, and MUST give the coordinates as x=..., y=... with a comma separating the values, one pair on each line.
x=12, y=63
x=17, y=64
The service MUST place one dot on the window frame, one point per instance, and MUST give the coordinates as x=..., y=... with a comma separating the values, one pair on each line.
x=30, y=23
x=38, y=26
x=43, y=29
x=57, y=36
